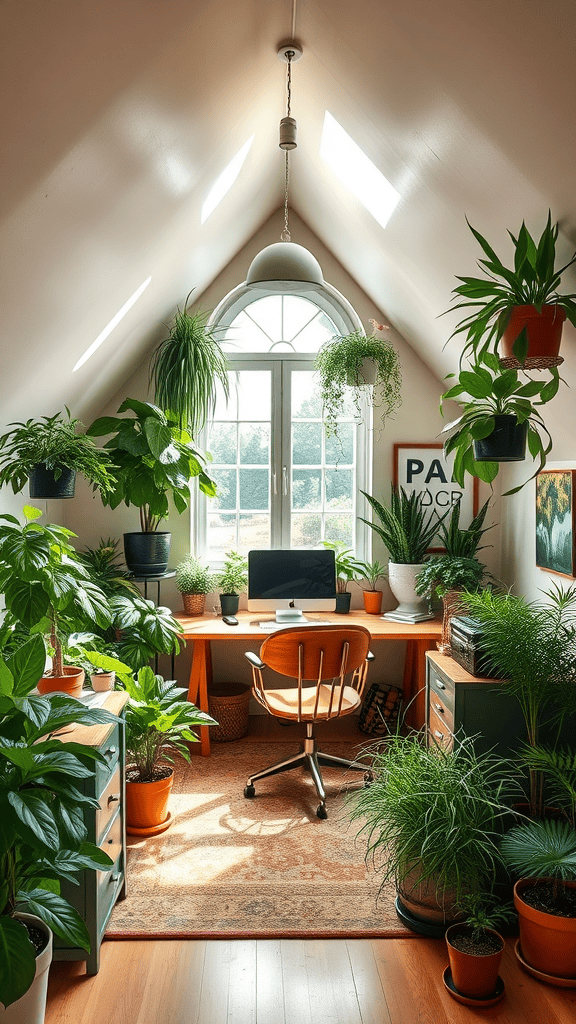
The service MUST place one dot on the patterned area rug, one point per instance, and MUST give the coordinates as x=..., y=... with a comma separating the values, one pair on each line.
x=229, y=867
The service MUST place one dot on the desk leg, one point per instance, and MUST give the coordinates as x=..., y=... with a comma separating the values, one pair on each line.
x=414, y=684
x=200, y=675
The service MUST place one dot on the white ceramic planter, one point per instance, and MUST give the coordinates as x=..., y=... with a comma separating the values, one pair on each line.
x=102, y=681
x=368, y=370
x=401, y=582
x=31, y=1007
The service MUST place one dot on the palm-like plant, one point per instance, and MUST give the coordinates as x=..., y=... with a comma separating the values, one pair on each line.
x=405, y=527
x=542, y=849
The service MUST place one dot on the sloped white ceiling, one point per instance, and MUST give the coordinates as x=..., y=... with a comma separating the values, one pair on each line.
x=118, y=115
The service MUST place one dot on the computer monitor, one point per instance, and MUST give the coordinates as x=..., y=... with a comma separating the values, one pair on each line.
x=289, y=582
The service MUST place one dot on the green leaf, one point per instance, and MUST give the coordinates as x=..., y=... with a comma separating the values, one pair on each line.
x=17, y=960
x=57, y=914
x=33, y=810
x=27, y=665
x=158, y=435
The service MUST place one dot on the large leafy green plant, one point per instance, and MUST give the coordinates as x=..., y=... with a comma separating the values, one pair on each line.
x=45, y=585
x=143, y=630
x=159, y=724
x=53, y=441
x=152, y=458
x=532, y=281
x=406, y=528
x=187, y=368
x=489, y=391
x=339, y=370
x=43, y=837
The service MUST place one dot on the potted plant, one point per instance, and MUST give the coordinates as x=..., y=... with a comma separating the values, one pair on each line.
x=143, y=630
x=446, y=576
x=104, y=568
x=520, y=305
x=499, y=417
x=475, y=950
x=543, y=853
x=345, y=565
x=371, y=572
x=232, y=581
x=407, y=530
x=47, y=453
x=430, y=819
x=186, y=369
x=152, y=458
x=43, y=582
x=194, y=580
x=158, y=725
x=367, y=368
x=44, y=838
x=463, y=542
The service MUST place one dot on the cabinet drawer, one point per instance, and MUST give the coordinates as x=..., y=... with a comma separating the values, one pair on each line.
x=442, y=688
x=439, y=731
x=109, y=881
x=440, y=707
x=111, y=752
x=109, y=803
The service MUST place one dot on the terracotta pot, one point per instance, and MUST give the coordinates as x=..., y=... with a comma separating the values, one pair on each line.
x=423, y=900
x=71, y=682
x=544, y=331
x=373, y=601
x=102, y=681
x=147, y=805
x=547, y=942
x=194, y=604
x=31, y=1007
x=474, y=975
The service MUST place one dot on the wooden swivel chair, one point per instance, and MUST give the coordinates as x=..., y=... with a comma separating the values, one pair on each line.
x=329, y=664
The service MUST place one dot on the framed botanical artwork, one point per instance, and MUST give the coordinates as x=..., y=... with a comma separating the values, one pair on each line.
x=555, y=521
x=424, y=468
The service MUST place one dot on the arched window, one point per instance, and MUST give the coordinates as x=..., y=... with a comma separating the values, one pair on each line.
x=281, y=481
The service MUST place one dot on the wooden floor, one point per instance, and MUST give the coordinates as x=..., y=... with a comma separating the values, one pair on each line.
x=288, y=981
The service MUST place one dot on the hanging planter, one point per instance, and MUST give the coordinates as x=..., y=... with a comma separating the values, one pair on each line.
x=506, y=443
x=57, y=482
x=543, y=336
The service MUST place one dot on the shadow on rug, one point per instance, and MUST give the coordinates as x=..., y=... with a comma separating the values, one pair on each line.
x=229, y=867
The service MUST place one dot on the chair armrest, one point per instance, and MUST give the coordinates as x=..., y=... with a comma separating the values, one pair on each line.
x=254, y=660
x=370, y=656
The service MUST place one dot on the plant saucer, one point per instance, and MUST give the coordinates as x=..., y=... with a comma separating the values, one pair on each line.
x=432, y=929
x=150, y=830
x=550, y=979
x=490, y=1000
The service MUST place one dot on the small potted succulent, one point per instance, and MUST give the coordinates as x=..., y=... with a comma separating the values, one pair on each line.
x=371, y=572
x=365, y=368
x=345, y=570
x=475, y=949
x=232, y=581
x=194, y=580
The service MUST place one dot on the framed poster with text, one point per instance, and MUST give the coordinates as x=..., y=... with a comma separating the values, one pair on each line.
x=424, y=468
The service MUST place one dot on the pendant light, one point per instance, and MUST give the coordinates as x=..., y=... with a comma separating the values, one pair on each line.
x=284, y=265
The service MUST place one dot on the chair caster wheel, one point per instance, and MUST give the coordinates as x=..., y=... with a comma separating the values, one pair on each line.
x=368, y=779
x=249, y=792
x=321, y=812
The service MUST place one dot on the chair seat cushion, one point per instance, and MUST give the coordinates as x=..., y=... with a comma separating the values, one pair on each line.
x=284, y=703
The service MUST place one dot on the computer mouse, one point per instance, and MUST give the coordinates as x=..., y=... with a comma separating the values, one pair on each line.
x=230, y=620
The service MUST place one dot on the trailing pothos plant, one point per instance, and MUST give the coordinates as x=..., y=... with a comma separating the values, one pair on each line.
x=532, y=281
x=152, y=458
x=43, y=837
x=486, y=390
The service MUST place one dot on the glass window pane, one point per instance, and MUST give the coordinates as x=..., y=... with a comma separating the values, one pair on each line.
x=305, y=396
x=298, y=313
x=254, y=488
x=339, y=488
x=222, y=443
x=340, y=448
x=253, y=532
x=254, y=398
x=221, y=534
x=313, y=337
x=227, y=410
x=307, y=488
x=226, y=483
x=244, y=335
x=307, y=444
x=340, y=528
x=306, y=531
x=267, y=313
x=255, y=443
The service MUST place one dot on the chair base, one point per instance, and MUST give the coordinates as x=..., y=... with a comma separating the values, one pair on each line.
x=311, y=759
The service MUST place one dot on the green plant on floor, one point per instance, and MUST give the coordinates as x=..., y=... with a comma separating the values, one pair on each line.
x=532, y=280
x=543, y=849
x=557, y=767
x=43, y=837
x=345, y=564
x=193, y=577
x=52, y=441
x=480, y=912
x=340, y=371
x=233, y=577
x=152, y=459
x=187, y=368
x=405, y=527
x=159, y=723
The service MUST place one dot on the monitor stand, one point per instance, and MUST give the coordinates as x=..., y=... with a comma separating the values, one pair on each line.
x=290, y=616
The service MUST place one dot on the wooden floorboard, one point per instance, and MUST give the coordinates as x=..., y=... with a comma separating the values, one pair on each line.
x=288, y=981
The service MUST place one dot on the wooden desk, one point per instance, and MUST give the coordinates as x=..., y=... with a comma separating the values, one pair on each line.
x=201, y=630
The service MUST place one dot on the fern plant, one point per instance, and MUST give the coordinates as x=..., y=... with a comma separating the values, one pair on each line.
x=405, y=527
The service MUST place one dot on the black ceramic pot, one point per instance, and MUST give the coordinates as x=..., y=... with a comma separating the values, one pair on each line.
x=42, y=483
x=506, y=443
x=229, y=603
x=343, y=602
x=147, y=554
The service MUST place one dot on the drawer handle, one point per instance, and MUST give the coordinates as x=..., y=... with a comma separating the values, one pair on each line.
x=440, y=685
x=114, y=878
x=110, y=752
x=114, y=798
x=437, y=707
x=438, y=734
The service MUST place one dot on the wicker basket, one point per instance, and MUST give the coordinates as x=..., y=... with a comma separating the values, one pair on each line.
x=194, y=603
x=228, y=704
x=380, y=709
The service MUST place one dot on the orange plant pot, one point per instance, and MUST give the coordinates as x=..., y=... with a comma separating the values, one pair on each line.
x=547, y=942
x=147, y=806
x=373, y=601
x=474, y=976
x=544, y=331
x=71, y=682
